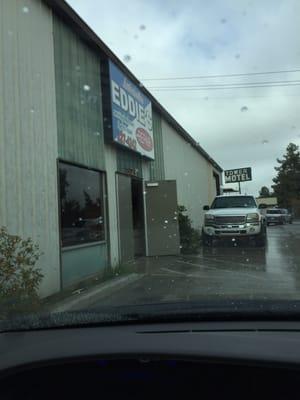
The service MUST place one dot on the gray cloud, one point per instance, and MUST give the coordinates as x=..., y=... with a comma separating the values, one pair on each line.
x=215, y=37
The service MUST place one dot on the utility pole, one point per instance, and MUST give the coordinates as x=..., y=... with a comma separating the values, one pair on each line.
x=239, y=187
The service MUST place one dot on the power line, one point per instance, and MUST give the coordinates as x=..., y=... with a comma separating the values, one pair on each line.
x=241, y=97
x=222, y=87
x=223, y=84
x=222, y=75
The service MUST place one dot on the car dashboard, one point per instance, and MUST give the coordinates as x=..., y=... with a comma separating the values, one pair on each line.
x=208, y=361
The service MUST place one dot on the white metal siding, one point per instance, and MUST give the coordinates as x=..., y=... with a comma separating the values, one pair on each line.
x=192, y=172
x=28, y=132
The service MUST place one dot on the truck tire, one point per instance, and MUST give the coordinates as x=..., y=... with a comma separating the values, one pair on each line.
x=207, y=240
x=261, y=238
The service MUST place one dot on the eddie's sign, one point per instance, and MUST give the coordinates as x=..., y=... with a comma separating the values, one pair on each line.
x=238, y=175
x=131, y=114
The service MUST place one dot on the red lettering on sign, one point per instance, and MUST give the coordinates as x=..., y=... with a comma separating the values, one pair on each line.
x=144, y=139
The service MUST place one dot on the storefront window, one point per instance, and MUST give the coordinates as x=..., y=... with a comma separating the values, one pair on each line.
x=81, y=205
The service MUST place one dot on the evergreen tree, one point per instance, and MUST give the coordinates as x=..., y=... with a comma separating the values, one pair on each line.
x=287, y=182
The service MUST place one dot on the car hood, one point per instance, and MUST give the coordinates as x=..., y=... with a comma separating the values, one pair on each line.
x=232, y=211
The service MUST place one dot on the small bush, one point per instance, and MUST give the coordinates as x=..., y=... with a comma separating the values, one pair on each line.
x=189, y=237
x=19, y=276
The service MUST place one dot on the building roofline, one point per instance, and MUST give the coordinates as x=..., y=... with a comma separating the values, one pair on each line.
x=63, y=9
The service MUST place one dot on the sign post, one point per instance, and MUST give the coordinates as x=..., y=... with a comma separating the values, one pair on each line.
x=238, y=175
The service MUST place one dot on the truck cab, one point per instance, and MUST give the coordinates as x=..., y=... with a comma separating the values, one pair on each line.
x=235, y=216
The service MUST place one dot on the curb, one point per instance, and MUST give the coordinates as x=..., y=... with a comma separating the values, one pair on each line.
x=83, y=300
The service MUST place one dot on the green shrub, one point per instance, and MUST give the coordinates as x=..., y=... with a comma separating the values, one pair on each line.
x=189, y=237
x=19, y=276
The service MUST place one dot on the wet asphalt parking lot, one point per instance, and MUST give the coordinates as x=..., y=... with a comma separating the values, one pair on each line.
x=228, y=270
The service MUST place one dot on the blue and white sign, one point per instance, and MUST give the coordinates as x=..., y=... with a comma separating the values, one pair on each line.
x=131, y=114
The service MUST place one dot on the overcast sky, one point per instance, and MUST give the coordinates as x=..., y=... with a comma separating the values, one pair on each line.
x=165, y=39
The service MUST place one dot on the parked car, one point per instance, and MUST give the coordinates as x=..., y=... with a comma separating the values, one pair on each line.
x=234, y=216
x=278, y=216
x=287, y=216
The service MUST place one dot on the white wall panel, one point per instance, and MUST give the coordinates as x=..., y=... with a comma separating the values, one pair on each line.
x=193, y=173
x=111, y=165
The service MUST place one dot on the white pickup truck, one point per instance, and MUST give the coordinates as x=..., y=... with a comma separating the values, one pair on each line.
x=234, y=216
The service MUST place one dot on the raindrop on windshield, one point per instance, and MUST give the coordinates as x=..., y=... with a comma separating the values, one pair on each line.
x=127, y=58
x=25, y=10
x=136, y=36
x=86, y=88
x=265, y=141
x=97, y=133
x=166, y=221
x=142, y=27
x=32, y=110
x=223, y=20
x=237, y=56
x=244, y=109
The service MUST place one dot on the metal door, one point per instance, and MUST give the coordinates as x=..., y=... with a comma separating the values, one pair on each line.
x=125, y=220
x=162, y=218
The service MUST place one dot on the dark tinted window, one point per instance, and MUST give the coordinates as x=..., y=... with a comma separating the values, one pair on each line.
x=233, y=201
x=274, y=212
x=81, y=200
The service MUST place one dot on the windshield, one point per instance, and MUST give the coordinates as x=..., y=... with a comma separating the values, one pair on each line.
x=234, y=202
x=142, y=148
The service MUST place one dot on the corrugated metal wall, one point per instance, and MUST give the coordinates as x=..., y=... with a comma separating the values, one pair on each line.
x=157, y=169
x=80, y=131
x=28, y=132
x=129, y=161
x=78, y=94
x=192, y=172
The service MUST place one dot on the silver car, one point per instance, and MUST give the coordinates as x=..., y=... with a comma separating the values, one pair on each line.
x=278, y=216
x=287, y=216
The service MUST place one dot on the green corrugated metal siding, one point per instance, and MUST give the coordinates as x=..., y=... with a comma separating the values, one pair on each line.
x=129, y=161
x=28, y=137
x=157, y=169
x=78, y=98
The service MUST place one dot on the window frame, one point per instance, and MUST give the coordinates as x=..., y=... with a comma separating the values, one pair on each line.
x=104, y=200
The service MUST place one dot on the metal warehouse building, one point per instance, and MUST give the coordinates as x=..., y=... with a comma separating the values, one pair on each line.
x=92, y=167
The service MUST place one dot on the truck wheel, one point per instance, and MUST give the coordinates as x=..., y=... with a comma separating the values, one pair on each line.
x=261, y=239
x=207, y=240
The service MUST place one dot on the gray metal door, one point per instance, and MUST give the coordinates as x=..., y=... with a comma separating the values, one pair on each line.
x=162, y=218
x=126, y=238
